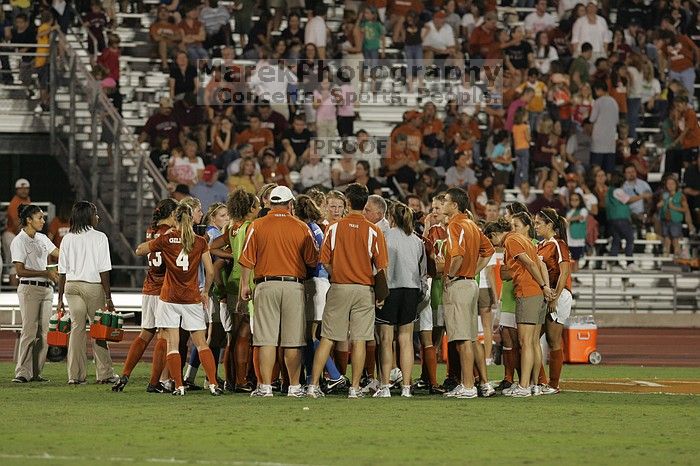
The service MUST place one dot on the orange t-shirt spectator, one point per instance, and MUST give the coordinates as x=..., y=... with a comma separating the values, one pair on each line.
x=258, y=137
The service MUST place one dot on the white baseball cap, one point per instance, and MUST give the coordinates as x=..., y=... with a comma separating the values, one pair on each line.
x=281, y=194
x=22, y=183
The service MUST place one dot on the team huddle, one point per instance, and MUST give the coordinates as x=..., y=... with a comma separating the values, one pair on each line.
x=291, y=291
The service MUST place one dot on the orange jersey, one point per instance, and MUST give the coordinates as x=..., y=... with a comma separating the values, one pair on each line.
x=465, y=239
x=553, y=252
x=351, y=247
x=13, y=224
x=279, y=244
x=414, y=137
x=258, y=139
x=58, y=228
x=692, y=137
x=155, y=275
x=181, y=281
x=434, y=234
x=516, y=244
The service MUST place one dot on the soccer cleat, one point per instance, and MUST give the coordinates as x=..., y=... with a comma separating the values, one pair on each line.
x=486, y=390
x=20, y=379
x=335, y=385
x=261, y=393
x=504, y=385
x=547, y=390
x=191, y=387
x=276, y=385
x=406, y=391
x=450, y=384
x=460, y=391
x=215, y=390
x=295, y=391
x=520, y=392
x=38, y=378
x=421, y=385
x=120, y=384
x=229, y=387
x=509, y=391
x=169, y=385
x=536, y=390
x=395, y=377
x=245, y=388
x=111, y=380
x=355, y=393
x=383, y=392
x=371, y=387
x=314, y=391
x=157, y=388
x=179, y=391
x=437, y=390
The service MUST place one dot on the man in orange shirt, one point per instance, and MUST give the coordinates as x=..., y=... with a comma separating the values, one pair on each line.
x=689, y=137
x=352, y=248
x=257, y=136
x=483, y=36
x=21, y=197
x=411, y=128
x=468, y=251
x=280, y=248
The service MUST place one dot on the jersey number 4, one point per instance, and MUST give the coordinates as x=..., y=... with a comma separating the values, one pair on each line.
x=183, y=261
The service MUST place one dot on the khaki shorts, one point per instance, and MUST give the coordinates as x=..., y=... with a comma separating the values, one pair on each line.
x=486, y=298
x=461, y=300
x=349, y=308
x=279, y=314
x=530, y=310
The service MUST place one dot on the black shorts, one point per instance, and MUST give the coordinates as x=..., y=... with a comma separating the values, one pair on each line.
x=400, y=307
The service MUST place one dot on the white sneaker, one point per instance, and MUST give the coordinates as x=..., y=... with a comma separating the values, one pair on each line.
x=547, y=390
x=487, y=390
x=215, y=390
x=395, y=376
x=314, y=391
x=460, y=391
x=261, y=392
x=453, y=393
x=406, y=391
x=536, y=390
x=383, y=392
x=521, y=392
x=168, y=385
x=355, y=393
x=179, y=391
x=371, y=387
x=509, y=391
x=295, y=391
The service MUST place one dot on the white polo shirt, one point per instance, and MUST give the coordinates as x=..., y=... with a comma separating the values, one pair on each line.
x=32, y=252
x=84, y=256
x=441, y=39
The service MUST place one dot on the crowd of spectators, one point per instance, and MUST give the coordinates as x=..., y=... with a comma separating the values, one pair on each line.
x=579, y=95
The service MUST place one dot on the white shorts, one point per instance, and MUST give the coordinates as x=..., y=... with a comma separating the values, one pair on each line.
x=193, y=317
x=149, y=303
x=563, y=307
x=315, y=291
x=508, y=320
x=226, y=320
x=425, y=314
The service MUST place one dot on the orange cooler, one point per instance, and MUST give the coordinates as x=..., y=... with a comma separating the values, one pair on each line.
x=580, y=341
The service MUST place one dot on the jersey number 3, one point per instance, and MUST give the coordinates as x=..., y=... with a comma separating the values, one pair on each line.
x=183, y=261
x=155, y=260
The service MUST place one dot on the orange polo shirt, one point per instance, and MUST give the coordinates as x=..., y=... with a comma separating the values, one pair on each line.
x=516, y=244
x=258, y=139
x=465, y=239
x=279, y=244
x=351, y=247
x=13, y=213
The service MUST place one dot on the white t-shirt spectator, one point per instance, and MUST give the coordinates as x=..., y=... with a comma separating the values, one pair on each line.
x=649, y=89
x=441, y=39
x=460, y=178
x=214, y=18
x=545, y=62
x=316, y=32
x=596, y=34
x=469, y=98
x=535, y=23
x=605, y=117
x=186, y=171
x=313, y=175
x=635, y=85
x=470, y=24
x=272, y=90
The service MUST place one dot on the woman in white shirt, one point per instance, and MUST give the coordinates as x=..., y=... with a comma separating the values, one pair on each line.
x=30, y=252
x=84, y=266
x=545, y=53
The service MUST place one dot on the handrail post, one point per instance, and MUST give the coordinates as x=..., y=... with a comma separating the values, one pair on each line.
x=675, y=292
x=593, y=293
x=93, y=137
x=52, y=91
x=71, y=119
x=139, y=198
x=116, y=167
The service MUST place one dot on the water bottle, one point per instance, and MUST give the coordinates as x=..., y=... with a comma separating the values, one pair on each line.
x=120, y=322
x=98, y=316
x=53, y=322
x=106, y=318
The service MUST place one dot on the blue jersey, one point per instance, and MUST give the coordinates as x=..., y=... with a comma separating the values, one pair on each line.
x=211, y=234
x=319, y=271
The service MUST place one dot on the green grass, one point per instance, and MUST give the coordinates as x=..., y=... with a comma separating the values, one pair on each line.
x=89, y=425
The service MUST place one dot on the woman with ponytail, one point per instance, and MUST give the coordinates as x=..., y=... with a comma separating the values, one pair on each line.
x=182, y=303
x=242, y=208
x=163, y=221
x=407, y=268
x=30, y=252
x=530, y=289
x=554, y=251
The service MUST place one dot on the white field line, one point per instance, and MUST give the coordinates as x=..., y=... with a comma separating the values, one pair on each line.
x=644, y=383
x=628, y=393
x=49, y=457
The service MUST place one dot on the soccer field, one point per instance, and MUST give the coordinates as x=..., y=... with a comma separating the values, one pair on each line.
x=53, y=423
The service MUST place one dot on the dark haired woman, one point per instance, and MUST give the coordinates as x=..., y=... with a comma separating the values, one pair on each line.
x=242, y=209
x=84, y=266
x=30, y=251
x=182, y=302
x=554, y=251
x=163, y=221
x=407, y=267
